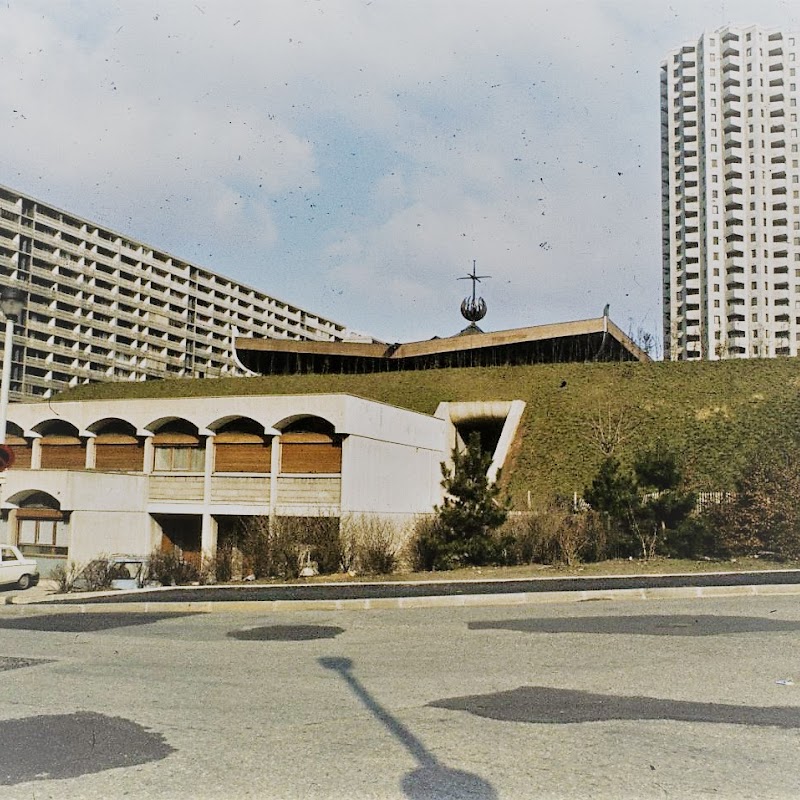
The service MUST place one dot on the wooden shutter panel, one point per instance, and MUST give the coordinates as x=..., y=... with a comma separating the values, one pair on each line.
x=310, y=453
x=119, y=457
x=63, y=456
x=22, y=451
x=238, y=457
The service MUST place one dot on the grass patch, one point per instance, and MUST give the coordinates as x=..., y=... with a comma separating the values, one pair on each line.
x=716, y=414
x=656, y=566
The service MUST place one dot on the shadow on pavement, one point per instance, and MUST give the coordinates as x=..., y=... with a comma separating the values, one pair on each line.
x=69, y=745
x=287, y=633
x=541, y=704
x=431, y=779
x=649, y=625
x=85, y=623
x=12, y=662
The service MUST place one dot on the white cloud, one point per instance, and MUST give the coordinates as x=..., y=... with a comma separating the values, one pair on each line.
x=355, y=156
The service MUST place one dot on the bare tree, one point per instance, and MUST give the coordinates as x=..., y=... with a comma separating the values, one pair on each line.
x=609, y=428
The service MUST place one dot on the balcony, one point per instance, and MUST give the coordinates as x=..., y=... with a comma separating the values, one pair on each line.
x=732, y=140
x=734, y=186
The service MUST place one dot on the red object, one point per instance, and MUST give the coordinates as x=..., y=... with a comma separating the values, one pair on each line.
x=6, y=457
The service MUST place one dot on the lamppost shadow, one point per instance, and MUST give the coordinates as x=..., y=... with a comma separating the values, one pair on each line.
x=431, y=779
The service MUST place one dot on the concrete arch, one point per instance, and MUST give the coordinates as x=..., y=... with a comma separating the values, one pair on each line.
x=12, y=429
x=32, y=498
x=112, y=425
x=295, y=420
x=172, y=422
x=226, y=422
x=56, y=427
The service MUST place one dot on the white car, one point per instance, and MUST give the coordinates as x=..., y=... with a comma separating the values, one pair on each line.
x=15, y=568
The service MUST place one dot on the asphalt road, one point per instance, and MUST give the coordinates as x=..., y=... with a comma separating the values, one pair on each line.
x=372, y=591
x=679, y=699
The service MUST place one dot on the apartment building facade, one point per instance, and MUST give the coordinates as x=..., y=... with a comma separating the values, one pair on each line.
x=731, y=195
x=101, y=306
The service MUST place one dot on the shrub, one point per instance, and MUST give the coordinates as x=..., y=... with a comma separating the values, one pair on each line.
x=553, y=534
x=96, y=575
x=275, y=548
x=322, y=537
x=66, y=575
x=764, y=511
x=171, y=569
x=369, y=545
x=529, y=538
x=426, y=550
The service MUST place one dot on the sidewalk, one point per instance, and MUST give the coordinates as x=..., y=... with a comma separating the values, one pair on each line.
x=44, y=589
x=418, y=594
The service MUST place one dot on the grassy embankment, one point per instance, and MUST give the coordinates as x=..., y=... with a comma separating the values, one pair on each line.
x=716, y=414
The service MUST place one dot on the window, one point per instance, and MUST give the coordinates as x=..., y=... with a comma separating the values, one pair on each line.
x=178, y=448
x=41, y=531
x=179, y=459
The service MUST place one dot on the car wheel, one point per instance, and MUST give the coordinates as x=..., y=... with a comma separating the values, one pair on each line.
x=24, y=581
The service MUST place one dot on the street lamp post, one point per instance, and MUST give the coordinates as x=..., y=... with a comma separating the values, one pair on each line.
x=11, y=302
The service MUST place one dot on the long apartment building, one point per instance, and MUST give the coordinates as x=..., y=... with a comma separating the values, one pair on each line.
x=101, y=306
x=731, y=195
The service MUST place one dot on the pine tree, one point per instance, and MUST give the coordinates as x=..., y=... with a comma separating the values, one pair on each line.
x=472, y=507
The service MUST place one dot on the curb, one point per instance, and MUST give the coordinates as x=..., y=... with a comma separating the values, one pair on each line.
x=436, y=601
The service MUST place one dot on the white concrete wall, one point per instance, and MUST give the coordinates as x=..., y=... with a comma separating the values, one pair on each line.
x=107, y=510
x=387, y=478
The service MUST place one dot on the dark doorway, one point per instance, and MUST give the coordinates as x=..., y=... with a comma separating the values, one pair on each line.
x=180, y=534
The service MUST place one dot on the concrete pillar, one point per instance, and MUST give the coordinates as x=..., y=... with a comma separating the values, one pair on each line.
x=274, y=472
x=36, y=450
x=91, y=450
x=208, y=536
x=147, y=467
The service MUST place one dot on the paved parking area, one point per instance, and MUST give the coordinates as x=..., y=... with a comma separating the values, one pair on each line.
x=678, y=698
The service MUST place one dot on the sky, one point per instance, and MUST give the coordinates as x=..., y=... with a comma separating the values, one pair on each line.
x=355, y=157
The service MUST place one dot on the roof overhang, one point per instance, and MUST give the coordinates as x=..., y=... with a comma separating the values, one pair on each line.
x=585, y=340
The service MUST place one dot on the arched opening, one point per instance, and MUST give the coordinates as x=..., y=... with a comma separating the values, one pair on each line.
x=309, y=445
x=62, y=448
x=240, y=445
x=22, y=447
x=41, y=527
x=177, y=447
x=117, y=447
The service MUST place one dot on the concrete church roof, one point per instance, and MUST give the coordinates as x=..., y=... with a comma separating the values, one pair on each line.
x=585, y=340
